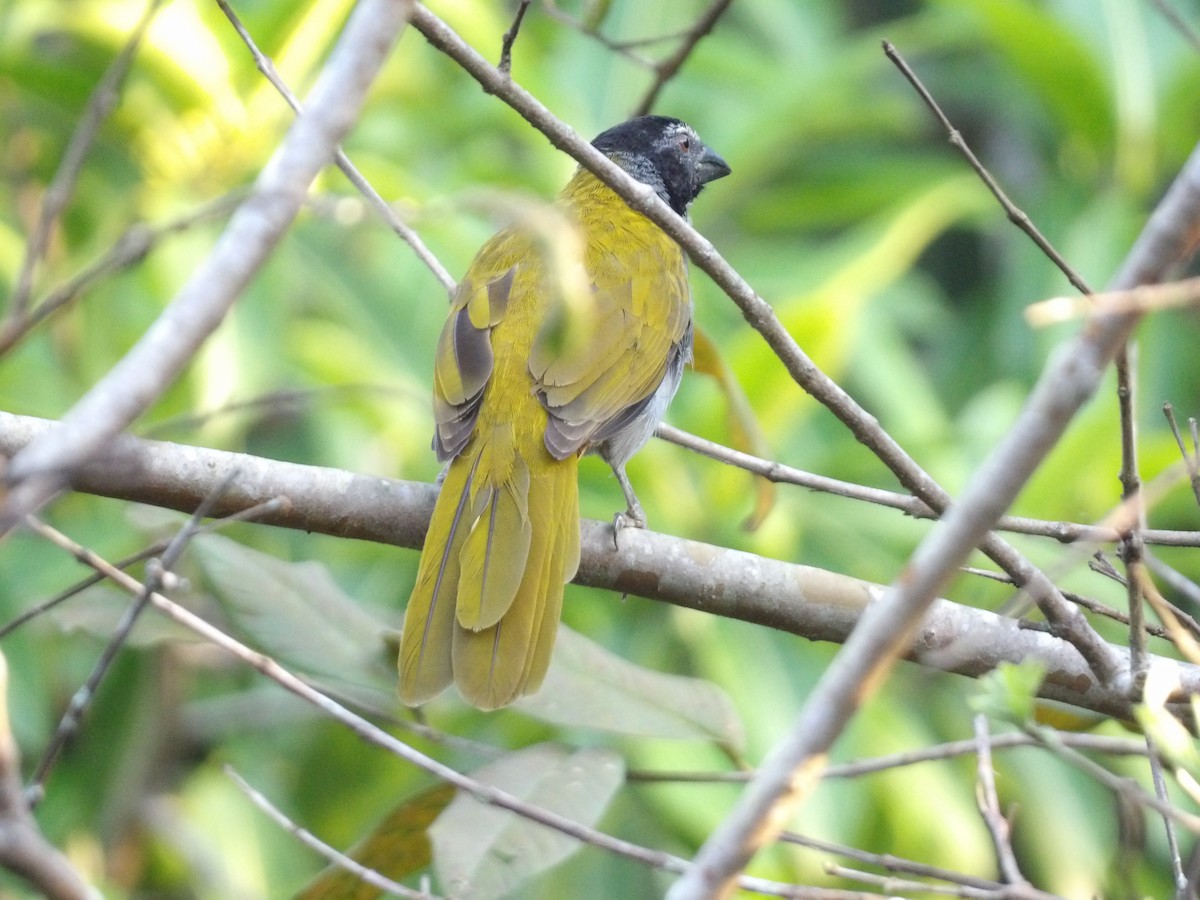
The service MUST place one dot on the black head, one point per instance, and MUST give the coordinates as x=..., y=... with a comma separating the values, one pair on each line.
x=665, y=154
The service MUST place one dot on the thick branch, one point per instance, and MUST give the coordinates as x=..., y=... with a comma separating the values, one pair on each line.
x=802, y=600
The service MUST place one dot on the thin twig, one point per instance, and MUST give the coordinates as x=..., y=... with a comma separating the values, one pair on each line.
x=1131, y=548
x=510, y=38
x=130, y=249
x=102, y=101
x=308, y=839
x=1175, y=580
x=1015, y=215
x=1141, y=299
x=890, y=862
x=669, y=67
x=989, y=807
x=156, y=577
x=267, y=508
x=1049, y=738
x=1191, y=459
x=892, y=885
x=1160, y=791
x=79, y=587
x=405, y=232
x=1063, y=532
x=1012, y=740
x=623, y=48
x=23, y=849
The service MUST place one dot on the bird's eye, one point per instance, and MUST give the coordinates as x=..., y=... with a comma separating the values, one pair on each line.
x=685, y=143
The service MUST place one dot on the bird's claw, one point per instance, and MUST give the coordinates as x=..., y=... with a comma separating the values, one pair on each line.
x=631, y=518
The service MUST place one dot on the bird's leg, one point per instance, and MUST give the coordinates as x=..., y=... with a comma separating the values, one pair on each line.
x=633, y=517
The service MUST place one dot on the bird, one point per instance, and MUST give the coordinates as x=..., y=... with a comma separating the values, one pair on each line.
x=567, y=335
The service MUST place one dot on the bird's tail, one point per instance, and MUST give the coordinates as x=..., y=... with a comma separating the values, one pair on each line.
x=503, y=541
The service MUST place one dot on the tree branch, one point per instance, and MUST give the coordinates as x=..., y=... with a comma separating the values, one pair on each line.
x=23, y=850
x=802, y=600
x=669, y=67
x=405, y=232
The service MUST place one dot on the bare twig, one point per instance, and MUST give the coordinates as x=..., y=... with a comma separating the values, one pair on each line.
x=1140, y=299
x=267, y=508
x=1131, y=547
x=1174, y=579
x=82, y=585
x=1118, y=784
x=510, y=38
x=1092, y=742
x=627, y=49
x=308, y=839
x=405, y=232
x=891, y=885
x=989, y=806
x=1184, y=637
x=156, y=577
x=1063, y=532
x=1160, y=791
x=890, y=862
x=42, y=469
x=130, y=249
x=23, y=849
x=669, y=67
x=1015, y=214
x=1190, y=459
x=104, y=98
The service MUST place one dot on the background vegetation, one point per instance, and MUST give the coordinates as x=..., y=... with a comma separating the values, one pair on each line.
x=847, y=210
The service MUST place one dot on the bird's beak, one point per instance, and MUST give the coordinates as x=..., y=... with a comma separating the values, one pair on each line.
x=710, y=166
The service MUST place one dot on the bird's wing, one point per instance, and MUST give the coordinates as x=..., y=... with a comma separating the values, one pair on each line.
x=464, y=359
x=639, y=316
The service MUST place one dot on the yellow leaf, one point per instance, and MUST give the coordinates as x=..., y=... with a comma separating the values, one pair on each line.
x=396, y=848
x=744, y=433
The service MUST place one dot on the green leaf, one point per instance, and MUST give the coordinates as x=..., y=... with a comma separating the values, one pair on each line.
x=591, y=687
x=98, y=610
x=481, y=851
x=1009, y=692
x=296, y=613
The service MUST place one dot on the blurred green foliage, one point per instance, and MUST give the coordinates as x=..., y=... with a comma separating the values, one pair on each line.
x=847, y=210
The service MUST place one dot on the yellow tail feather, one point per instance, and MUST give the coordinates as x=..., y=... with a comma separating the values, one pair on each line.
x=503, y=541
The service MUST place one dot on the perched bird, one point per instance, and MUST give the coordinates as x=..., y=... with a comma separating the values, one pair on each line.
x=566, y=339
